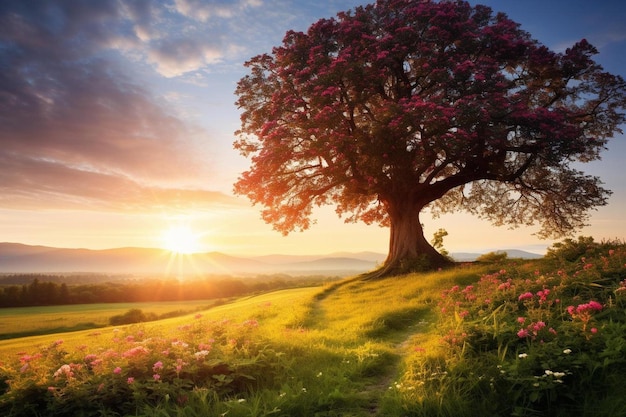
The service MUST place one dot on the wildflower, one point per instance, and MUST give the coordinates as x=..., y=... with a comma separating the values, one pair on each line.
x=205, y=346
x=136, y=351
x=523, y=333
x=538, y=326
x=504, y=286
x=130, y=380
x=157, y=365
x=521, y=320
x=197, y=316
x=91, y=357
x=179, y=365
x=525, y=296
x=64, y=370
x=117, y=370
x=593, y=330
x=156, y=377
x=201, y=354
x=241, y=400
x=523, y=355
x=319, y=374
x=543, y=295
x=594, y=305
x=567, y=351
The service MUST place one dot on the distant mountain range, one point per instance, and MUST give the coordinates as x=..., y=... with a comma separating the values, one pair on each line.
x=19, y=258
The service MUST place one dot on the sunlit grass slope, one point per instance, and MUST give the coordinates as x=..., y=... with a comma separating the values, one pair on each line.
x=33, y=321
x=514, y=338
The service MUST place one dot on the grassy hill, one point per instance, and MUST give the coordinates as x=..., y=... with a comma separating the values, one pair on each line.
x=535, y=337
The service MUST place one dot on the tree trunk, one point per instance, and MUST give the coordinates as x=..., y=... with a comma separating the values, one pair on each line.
x=409, y=250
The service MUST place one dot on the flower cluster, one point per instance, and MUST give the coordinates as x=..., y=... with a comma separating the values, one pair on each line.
x=584, y=313
x=136, y=364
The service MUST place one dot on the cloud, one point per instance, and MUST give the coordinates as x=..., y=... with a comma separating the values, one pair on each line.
x=55, y=184
x=204, y=11
x=76, y=126
x=175, y=57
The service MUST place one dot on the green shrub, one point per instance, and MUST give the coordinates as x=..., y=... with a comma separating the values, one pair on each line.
x=134, y=315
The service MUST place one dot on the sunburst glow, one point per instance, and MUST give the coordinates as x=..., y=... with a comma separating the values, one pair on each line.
x=181, y=239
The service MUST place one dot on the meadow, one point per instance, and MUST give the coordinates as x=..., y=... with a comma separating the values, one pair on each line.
x=41, y=320
x=500, y=338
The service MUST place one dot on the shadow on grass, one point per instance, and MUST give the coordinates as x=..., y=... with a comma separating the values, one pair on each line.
x=395, y=323
x=52, y=330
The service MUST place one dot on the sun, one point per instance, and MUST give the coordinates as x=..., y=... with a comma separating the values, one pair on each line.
x=181, y=239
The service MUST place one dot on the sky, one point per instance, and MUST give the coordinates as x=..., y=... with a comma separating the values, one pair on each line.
x=117, y=120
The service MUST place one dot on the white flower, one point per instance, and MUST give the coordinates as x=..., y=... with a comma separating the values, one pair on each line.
x=523, y=355
x=201, y=354
x=567, y=351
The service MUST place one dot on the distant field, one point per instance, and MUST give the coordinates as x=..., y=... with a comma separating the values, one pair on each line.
x=36, y=318
x=31, y=321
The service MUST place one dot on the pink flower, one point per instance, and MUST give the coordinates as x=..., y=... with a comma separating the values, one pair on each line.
x=117, y=370
x=538, y=326
x=156, y=377
x=157, y=365
x=594, y=305
x=522, y=333
x=525, y=296
x=593, y=330
x=521, y=320
x=64, y=370
x=130, y=380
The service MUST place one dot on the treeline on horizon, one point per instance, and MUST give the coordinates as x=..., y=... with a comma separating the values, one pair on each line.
x=43, y=292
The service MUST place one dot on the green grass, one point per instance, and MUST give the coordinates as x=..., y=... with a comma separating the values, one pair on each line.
x=436, y=344
x=36, y=321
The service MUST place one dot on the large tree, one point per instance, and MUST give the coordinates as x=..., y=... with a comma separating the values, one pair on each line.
x=391, y=108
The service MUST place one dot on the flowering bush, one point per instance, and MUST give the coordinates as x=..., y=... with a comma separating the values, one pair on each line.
x=557, y=336
x=137, y=369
